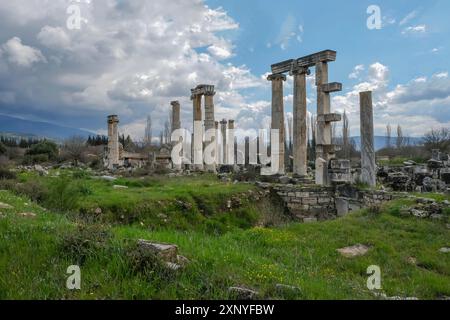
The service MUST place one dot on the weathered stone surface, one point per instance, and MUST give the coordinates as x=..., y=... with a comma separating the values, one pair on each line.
x=354, y=251
x=118, y=187
x=342, y=206
x=309, y=220
x=300, y=139
x=330, y=117
x=243, y=293
x=332, y=87
x=368, y=166
x=5, y=206
x=27, y=215
x=166, y=252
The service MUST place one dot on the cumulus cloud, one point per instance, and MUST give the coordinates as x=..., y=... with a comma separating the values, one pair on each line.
x=131, y=58
x=21, y=55
x=418, y=105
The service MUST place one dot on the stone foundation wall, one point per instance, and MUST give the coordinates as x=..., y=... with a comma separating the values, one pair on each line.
x=316, y=203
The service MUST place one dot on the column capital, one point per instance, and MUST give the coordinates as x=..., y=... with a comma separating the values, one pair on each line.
x=276, y=76
x=175, y=103
x=224, y=122
x=300, y=71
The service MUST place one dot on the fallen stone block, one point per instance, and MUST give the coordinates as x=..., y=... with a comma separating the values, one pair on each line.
x=118, y=187
x=354, y=251
x=166, y=252
x=27, y=215
x=444, y=250
x=243, y=293
x=5, y=206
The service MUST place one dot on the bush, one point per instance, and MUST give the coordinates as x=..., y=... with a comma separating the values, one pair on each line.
x=6, y=174
x=3, y=149
x=84, y=242
x=64, y=195
x=33, y=189
x=35, y=159
x=45, y=147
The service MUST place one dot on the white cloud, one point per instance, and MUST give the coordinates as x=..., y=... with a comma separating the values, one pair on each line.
x=419, y=29
x=408, y=17
x=356, y=71
x=20, y=54
x=54, y=37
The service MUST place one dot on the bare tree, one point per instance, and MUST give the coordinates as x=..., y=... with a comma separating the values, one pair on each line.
x=74, y=149
x=400, y=137
x=437, y=139
x=388, y=136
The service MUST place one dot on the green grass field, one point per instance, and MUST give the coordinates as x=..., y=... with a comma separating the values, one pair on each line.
x=226, y=246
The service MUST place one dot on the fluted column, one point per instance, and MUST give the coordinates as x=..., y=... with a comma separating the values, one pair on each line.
x=197, y=140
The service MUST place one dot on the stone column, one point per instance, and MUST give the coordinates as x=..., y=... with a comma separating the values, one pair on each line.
x=323, y=132
x=300, y=130
x=209, y=118
x=278, y=116
x=231, y=159
x=197, y=140
x=223, y=130
x=368, y=169
x=176, y=118
x=113, y=141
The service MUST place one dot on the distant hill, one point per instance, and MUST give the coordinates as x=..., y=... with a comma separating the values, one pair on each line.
x=26, y=128
x=380, y=142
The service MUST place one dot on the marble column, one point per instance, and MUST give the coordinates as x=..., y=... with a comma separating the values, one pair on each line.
x=113, y=141
x=368, y=166
x=210, y=120
x=231, y=155
x=278, y=116
x=323, y=131
x=176, y=118
x=223, y=131
x=197, y=141
x=300, y=130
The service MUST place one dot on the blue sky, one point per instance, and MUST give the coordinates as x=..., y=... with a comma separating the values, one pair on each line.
x=132, y=58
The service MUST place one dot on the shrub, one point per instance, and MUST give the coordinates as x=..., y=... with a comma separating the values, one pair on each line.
x=64, y=195
x=33, y=189
x=35, y=159
x=45, y=147
x=6, y=174
x=84, y=242
x=3, y=149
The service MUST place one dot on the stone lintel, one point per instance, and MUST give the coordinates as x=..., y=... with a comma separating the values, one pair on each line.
x=331, y=87
x=203, y=89
x=306, y=61
x=330, y=117
x=276, y=76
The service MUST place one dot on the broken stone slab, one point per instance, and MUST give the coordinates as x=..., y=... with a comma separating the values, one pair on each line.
x=342, y=206
x=243, y=293
x=425, y=200
x=286, y=288
x=27, y=215
x=5, y=206
x=309, y=220
x=119, y=187
x=383, y=295
x=354, y=251
x=166, y=252
x=419, y=213
x=108, y=178
x=285, y=180
x=444, y=250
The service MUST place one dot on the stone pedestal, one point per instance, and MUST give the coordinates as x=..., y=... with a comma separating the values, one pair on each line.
x=278, y=118
x=368, y=166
